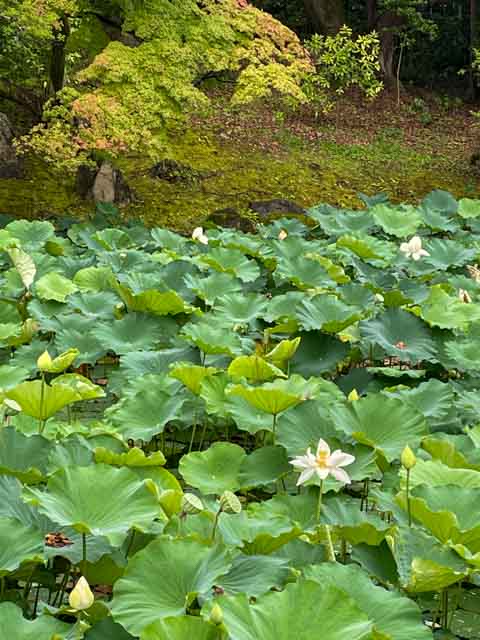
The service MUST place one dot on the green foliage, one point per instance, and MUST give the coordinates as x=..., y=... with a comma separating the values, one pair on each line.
x=342, y=61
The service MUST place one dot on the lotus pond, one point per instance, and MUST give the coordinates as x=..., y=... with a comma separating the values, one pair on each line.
x=163, y=399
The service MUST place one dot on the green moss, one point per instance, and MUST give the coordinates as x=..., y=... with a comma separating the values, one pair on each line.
x=236, y=176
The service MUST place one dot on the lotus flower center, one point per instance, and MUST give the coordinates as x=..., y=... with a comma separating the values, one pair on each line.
x=322, y=459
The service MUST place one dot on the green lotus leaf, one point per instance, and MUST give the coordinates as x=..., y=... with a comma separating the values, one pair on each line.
x=145, y=414
x=318, y=353
x=283, y=351
x=215, y=470
x=443, y=448
x=18, y=544
x=72, y=451
x=16, y=627
x=240, y=308
x=448, y=253
x=448, y=511
x=401, y=335
x=59, y=363
x=213, y=286
x=463, y=353
x=75, y=496
x=304, y=270
x=448, y=312
x=352, y=524
x=231, y=261
x=11, y=376
x=54, y=286
x=302, y=610
x=24, y=265
x=253, y=369
x=326, y=313
x=434, y=473
x=468, y=208
x=90, y=349
x=271, y=397
x=424, y=564
x=94, y=305
x=23, y=457
x=384, y=423
x=188, y=568
x=31, y=233
x=213, y=339
x=394, y=616
x=263, y=466
x=192, y=375
x=402, y=221
x=335, y=271
x=432, y=398
x=181, y=628
x=96, y=279
x=301, y=553
x=336, y=222
x=159, y=303
x=213, y=392
x=107, y=629
x=254, y=575
x=134, y=457
x=134, y=332
x=10, y=331
x=367, y=247
x=315, y=421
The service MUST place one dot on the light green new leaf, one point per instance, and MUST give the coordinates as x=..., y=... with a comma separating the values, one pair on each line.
x=76, y=497
x=253, y=369
x=303, y=611
x=272, y=397
x=468, y=208
x=162, y=579
x=192, y=375
x=134, y=457
x=54, y=286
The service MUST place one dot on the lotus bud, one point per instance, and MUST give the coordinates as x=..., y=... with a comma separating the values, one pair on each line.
x=44, y=362
x=81, y=597
x=229, y=503
x=191, y=504
x=353, y=395
x=408, y=458
x=216, y=614
x=464, y=296
x=282, y=235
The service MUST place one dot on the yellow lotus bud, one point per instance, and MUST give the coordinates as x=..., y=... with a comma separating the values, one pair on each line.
x=216, y=614
x=229, y=503
x=191, y=504
x=81, y=597
x=44, y=362
x=408, y=458
x=353, y=395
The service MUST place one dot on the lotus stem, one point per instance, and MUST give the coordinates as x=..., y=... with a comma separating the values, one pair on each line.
x=274, y=428
x=130, y=543
x=42, y=401
x=84, y=547
x=409, y=509
x=330, y=550
x=193, y=433
x=319, y=501
x=202, y=437
x=215, y=523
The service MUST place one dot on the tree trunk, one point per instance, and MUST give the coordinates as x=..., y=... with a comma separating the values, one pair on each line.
x=326, y=16
x=386, y=25
x=473, y=44
x=57, y=61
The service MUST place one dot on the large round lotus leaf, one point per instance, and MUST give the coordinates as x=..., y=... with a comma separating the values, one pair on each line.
x=263, y=466
x=145, y=414
x=271, y=397
x=232, y=261
x=84, y=387
x=354, y=525
x=192, y=375
x=386, y=424
x=399, y=334
x=95, y=279
x=134, y=457
x=304, y=271
x=336, y=222
x=213, y=339
x=42, y=401
x=448, y=312
x=432, y=398
x=326, y=313
x=468, y=208
x=162, y=579
x=76, y=496
x=16, y=627
x=240, y=308
x=254, y=575
x=22, y=456
x=448, y=253
x=318, y=353
x=212, y=287
x=303, y=427
x=441, y=201
x=424, y=564
x=463, y=354
x=182, y=628
x=18, y=544
x=31, y=233
x=304, y=610
x=434, y=473
x=95, y=306
x=367, y=247
x=107, y=629
x=54, y=286
x=395, y=616
x=159, y=303
x=215, y=470
x=253, y=369
x=245, y=416
x=134, y=332
x=402, y=221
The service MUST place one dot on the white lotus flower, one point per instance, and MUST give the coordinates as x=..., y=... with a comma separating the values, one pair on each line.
x=81, y=597
x=413, y=248
x=464, y=296
x=282, y=235
x=199, y=235
x=324, y=463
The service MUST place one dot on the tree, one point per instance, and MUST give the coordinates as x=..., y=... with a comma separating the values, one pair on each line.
x=326, y=16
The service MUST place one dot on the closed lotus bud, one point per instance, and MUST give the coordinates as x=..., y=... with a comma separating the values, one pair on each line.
x=216, y=614
x=229, y=503
x=44, y=362
x=408, y=458
x=81, y=597
x=191, y=504
x=353, y=395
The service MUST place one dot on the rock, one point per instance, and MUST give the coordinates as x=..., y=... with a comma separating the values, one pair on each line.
x=110, y=186
x=173, y=171
x=230, y=218
x=11, y=166
x=84, y=181
x=277, y=206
